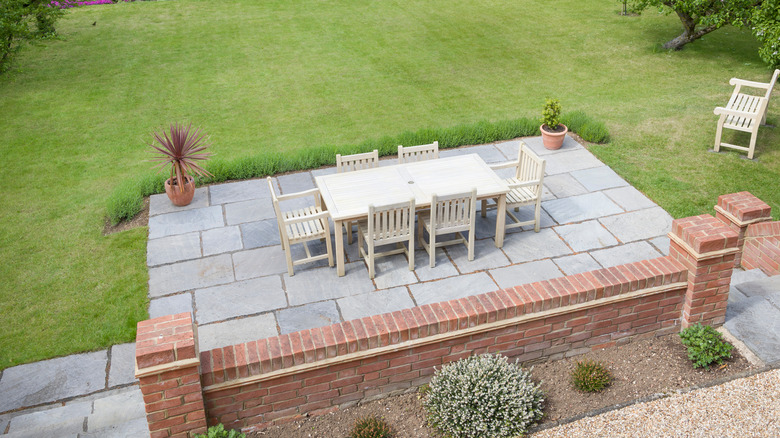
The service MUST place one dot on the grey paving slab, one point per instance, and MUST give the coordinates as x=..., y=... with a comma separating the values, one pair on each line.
x=193, y=274
x=374, y=303
x=170, y=305
x=577, y=263
x=531, y=272
x=261, y=233
x=586, y=236
x=185, y=222
x=236, y=331
x=570, y=161
x=55, y=379
x=768, y=288
x=172, y=249
x=661, y=244
x=452, y=288
x=293, y=319
x=122, y=366
x=639, y=225
x=3, y=424
x=116, y=409
x=249, y=211
x=529, y=246
x=486, y=256
x=323, y=284
x=756, y=322
x=295, y=182
x=221, y=240
x=443, y=269
x=488, y=152
x=137, y=427
x=260, y=262
x=735, y=295
x=161, y=204
x=581, y=207
x=392, y=271
x=323, y=171
x=240, y=298
x=629, y=198
x=743, y=276
x=59, y=421
x=564, y=185
x=239, y=191
x=628, y=253
x=508, y=149
x=598, y=178
x=536, y=144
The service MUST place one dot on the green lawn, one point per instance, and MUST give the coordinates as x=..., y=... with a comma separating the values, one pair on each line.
x=280, y=76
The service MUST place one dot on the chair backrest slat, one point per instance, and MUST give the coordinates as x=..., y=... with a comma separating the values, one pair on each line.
x=530, y=168
x=390, y=223
x=349, y=163
x=455, y=210
x=413, y=154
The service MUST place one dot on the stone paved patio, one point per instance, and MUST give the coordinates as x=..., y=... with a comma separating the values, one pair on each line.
x=220, y=257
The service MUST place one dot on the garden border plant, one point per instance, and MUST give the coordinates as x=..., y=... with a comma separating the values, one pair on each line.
x=126, y=201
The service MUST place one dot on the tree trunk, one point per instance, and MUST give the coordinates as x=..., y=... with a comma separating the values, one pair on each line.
x=689, y=32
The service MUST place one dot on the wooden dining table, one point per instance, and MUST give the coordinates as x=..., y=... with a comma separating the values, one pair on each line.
x=347, y=195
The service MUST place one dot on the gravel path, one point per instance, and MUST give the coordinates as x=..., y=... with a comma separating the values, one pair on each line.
x=747, y=407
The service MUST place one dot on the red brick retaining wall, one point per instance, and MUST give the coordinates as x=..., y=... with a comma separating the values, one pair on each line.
x=762, y=247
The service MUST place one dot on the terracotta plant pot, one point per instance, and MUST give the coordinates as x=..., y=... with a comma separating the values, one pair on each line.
x=180, y=197
x=553, y=140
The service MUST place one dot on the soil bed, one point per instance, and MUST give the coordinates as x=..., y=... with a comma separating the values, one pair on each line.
x=640, y=369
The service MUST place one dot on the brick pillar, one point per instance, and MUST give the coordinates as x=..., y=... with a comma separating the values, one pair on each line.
x=737, y=211
x=167, y=366
x=707, y=247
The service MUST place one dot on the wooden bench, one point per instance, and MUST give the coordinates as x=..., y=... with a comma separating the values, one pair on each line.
x=744, y=112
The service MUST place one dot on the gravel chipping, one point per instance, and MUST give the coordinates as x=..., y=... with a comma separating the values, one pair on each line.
x=747, y=407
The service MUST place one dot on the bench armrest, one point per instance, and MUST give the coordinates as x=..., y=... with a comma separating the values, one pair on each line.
x=730, y=112
x=742, y=82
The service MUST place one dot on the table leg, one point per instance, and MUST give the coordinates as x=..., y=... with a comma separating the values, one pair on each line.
x=339, y=248
x=500, y=221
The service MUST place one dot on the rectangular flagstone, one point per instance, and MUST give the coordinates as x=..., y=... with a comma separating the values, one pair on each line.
x=661, y=243
x=537, y=145
x=296, y=182
x=116, y=409
x=564, y=185
x=529, y=246
x=739, y=276
x=193, y=274
x=241, y=298
x=53, y=379
x=236, y=331
x=308, y=286
x=249, y=211
x=570, y=161
x=173, y=249
x=319, y=314
x=221, y=240
x=639, y=225
x=486, y=256
x=170, y=305
x=488, y=152
x=375, y=303
x=580, y=208
x=524, y=273
x=452, y=288
x=577, y=263
x=239, y=191
x=122, y=366
x=757, y=323
x=629, y=198
x=392, y=271
x=260, y=233
x=161, y=204
x=260, y=262
x=67, y=420
x=586, y=236
x=598, y=178
x=628, y=253
x=185, y=222
x=443, y=269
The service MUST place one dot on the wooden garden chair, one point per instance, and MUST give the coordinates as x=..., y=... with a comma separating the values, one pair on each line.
x=349, y=163
x=744, y=112
x=387, y=224
x=526, y=187
x=449, y=214
x=301, y=225
x=413, y=154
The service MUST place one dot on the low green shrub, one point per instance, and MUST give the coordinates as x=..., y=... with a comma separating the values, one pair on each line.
x=590, y=376
x=590, y=130
x=371, y=427
x=219, y=431
x=705, y=345
x=127, y=199
x=483, y=397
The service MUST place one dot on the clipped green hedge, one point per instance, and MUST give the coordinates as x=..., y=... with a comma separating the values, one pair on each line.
x=127, y=199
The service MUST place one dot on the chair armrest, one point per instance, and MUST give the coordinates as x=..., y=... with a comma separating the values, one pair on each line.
x=506, y=165
x=730, y=112
x=308, y=217
x=524, y=184
x=310, y=192
x=736, y=81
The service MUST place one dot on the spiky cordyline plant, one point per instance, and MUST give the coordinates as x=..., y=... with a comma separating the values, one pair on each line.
x=181, y=146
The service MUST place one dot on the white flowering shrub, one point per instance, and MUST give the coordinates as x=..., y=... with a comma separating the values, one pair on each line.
x=483, y=397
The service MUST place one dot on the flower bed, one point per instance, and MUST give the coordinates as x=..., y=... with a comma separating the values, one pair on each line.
x=65, y=4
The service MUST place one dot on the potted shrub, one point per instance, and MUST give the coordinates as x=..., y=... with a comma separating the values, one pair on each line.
x=182, y=147
x=553, y=131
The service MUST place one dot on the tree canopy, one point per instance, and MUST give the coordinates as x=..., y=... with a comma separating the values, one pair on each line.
x=23, y=21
